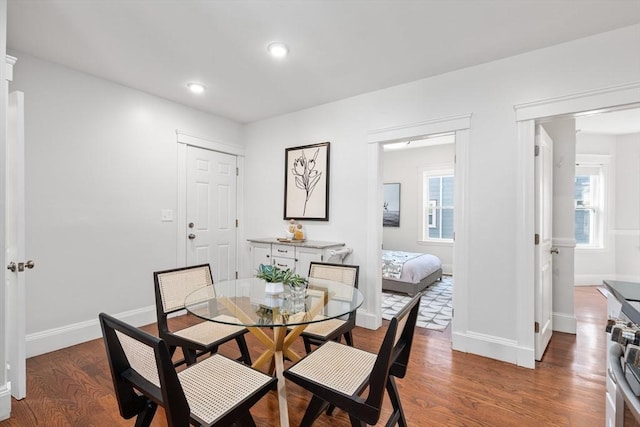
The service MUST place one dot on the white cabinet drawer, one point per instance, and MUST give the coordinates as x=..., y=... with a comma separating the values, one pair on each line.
x=283, y=251
x=284, y=263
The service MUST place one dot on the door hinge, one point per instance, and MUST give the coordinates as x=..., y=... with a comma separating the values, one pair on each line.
x=536, y=327
x=537, y=151
x=236, y=223
x=237, y=171
x=236, y=274
x=536, y=239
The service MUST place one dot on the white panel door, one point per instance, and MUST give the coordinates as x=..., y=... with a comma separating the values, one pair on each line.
x=543, y=252
x=211, y=211
x=15, y=247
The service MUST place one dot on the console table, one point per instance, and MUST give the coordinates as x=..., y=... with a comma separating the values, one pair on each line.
x=293, y=255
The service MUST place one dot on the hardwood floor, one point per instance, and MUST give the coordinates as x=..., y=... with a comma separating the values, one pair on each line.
x=72, y=387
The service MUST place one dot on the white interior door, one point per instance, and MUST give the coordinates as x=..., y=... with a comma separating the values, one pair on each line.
x=544, y=240
x=211, y=211
x=15, y=247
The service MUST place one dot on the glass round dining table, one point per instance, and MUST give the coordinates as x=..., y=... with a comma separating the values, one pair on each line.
x=245, y=302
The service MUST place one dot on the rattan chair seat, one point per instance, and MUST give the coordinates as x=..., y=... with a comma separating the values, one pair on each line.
x=324, y=328
x=206, y=333
x=217, y=384
x=350, y=367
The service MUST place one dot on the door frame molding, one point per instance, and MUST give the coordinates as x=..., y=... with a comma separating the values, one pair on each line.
x=460, y=125
x=6, y=76
x=183, y=140
x=527, y=114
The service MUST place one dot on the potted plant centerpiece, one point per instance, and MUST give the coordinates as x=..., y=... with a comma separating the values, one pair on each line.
x=273, y=277
x=276, y=278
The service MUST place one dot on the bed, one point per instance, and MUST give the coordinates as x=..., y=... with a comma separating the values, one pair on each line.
x=409, y=272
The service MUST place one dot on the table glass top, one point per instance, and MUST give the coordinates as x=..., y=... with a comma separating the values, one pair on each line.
x=245, y=302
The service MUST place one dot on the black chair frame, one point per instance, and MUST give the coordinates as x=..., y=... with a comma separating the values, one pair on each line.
x=138, y=397
x=391, y=363
x=191, y=349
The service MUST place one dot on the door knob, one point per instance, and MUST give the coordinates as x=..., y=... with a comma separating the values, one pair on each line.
x=554, y=251
x=12, y=266
x=192, y=236
x=30, y=264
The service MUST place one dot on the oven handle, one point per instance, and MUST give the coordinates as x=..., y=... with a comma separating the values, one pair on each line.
x=632, y=401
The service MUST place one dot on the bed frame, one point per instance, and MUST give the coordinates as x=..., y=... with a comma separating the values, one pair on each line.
x=411, y=288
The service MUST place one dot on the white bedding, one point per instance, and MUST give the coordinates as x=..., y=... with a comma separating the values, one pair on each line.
x=416, y=266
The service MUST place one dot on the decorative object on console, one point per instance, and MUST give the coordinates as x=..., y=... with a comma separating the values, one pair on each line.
x=293, y=233
x=306, y=182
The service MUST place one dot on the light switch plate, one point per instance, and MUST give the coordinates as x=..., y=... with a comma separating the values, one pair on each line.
x=166, y=215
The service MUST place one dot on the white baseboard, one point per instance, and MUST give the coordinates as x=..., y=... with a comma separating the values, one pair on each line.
x=596, y=279
x=591, y=279
x=563, y=322
x=493, y=348
x=66, y=336
x=447, y=269
x=5, y=402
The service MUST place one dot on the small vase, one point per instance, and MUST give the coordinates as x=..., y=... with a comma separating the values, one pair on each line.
x=298, y=295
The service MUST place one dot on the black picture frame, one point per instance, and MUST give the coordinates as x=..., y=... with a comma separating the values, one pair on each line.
x=391, y=212
x=306, y=182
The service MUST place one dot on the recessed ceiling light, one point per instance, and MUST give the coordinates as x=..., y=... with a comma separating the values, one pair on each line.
x=196, y=87
x=278, y=50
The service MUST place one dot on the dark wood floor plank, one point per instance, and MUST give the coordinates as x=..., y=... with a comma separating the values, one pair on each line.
x=72, y=387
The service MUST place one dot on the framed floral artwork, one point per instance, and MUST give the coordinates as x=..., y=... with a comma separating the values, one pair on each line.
x=306, y=182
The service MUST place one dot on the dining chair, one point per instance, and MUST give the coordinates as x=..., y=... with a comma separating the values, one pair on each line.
x=333, y=329
x=171, y=289
x=338, y=374
x=217, y=391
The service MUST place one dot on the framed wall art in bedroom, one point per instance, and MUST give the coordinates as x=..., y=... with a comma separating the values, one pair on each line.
x=391, y=213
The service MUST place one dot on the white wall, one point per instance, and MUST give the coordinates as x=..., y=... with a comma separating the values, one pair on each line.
x=593, y=266
x=489, y=92
x=627, y=210
x=405, y=166
x=100, y=165
x=620, y=257
x=563, y=134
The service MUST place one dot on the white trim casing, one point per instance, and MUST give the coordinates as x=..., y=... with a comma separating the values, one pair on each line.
x=6, y=75
x=592, y=101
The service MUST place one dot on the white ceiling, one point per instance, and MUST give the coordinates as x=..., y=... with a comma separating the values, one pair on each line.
x=613, y=123
x=338, y=48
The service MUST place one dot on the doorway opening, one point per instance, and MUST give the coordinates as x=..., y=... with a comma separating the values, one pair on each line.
x=418, y=224
x=422, y=216
x=527, y=115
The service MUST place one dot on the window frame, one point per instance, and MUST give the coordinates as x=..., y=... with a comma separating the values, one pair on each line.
x=601, y=210
x=425, y=205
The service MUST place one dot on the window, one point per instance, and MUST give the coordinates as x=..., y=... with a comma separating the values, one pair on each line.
x=589, y=205
x=437, y=205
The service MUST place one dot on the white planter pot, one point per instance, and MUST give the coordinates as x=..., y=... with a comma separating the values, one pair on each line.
x=273, y=288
